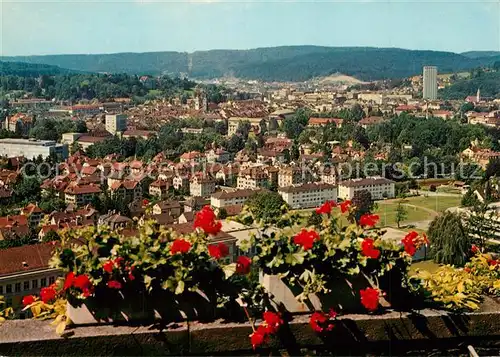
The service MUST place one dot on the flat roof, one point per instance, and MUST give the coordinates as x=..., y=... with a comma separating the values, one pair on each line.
x=28, y=142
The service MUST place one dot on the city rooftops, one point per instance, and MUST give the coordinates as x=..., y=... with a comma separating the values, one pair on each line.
x=33, y=142
x=378, y=180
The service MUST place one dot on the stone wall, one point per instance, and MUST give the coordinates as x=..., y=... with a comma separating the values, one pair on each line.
x=394, y=333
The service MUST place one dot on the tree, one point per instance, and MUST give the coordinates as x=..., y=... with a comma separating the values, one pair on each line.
x=266, y=206
x=470, y=199
x=481, y=223
x=450, y=243
x=492, y=169
x=235, y=144
x=363, y=203
x=401, y=213
x=222, y=214
x=51, y=236
x=294, y=152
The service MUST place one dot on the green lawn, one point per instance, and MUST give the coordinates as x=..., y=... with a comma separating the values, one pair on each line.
x=435, y=203
x=387, y=213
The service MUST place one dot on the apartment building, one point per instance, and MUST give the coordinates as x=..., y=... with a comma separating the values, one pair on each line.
x=32, y=148
x=234, y=122
x=254, y=177
x=308, y=195
x=129, y=190
x=81, y=194
x=293, y=175
x=378, y=186
x=230, y=198
x=201, y=186
x=24, y=270
x=116, y=123
x=172, y=208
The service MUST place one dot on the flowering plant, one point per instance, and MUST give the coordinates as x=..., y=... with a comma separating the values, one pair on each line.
x=315, y=260
x=157, y=270
x=464, y=288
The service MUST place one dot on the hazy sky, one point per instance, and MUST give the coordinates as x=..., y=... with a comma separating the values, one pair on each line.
x=105, y=26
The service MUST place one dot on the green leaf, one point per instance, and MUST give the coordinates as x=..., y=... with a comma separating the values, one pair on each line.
x=295, y=258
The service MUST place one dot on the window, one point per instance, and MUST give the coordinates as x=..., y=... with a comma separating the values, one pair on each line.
x=18, y=287
x=34, y=284
x=26, y=285
x=43, y=282
x=8, y=288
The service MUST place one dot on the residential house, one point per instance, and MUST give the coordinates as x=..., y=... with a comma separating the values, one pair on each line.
x=34, y=214
x=201, y=185
x=227, y=175
x=273, y=157
x=315, y=122
x=379, y=187
x=171, y=207
x=114, y=220
x=308, y=195
x=193, y=158
x=293, y=175
x=194, y=204
x=81, y=194
x=159, y=189
x=180, y=181
x=218, y=155
x=24, y=270
x=254, y=177
x=13, y=226
x=370, y=121
x=128, y=190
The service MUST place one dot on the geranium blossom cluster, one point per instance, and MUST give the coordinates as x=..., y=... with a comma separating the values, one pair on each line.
x=272, y=321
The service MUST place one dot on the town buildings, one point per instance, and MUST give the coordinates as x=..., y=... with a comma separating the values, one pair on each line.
x=223, y=199
x=379, y=187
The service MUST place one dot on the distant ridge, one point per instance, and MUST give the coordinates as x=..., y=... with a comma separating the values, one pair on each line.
x=24, y=69
x=286, y=63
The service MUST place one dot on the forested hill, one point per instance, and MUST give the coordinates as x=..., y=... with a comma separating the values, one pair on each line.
x=487, y=82
x=287, y=63
x=31, y=69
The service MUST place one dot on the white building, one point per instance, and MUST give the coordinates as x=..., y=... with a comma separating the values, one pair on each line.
x=430, y=82
x=308, y=195
x=32, y=148
x=116, y=123
x=223, y=199
x=379, y=187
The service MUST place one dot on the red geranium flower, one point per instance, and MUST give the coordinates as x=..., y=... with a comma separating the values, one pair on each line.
x=493, y=262
x=118, y=261
x=69, y=280
x=273, y=321
x=83, y=283
x=368, y=220
x=131, y=273
x=474, y=249
x=259, y=336
x=28, y=300
x=306, y=238
x=48, y=294
x=409, y=243
x=369, y=298
x=320, y=319
x=243, y=264
x=218, y=251
x=180, y=246
x=205, y=219
x=368, y=249
x=467, y=270
x=344, y=206
x=113, y=284
x=326, y=207
x=108, y=266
